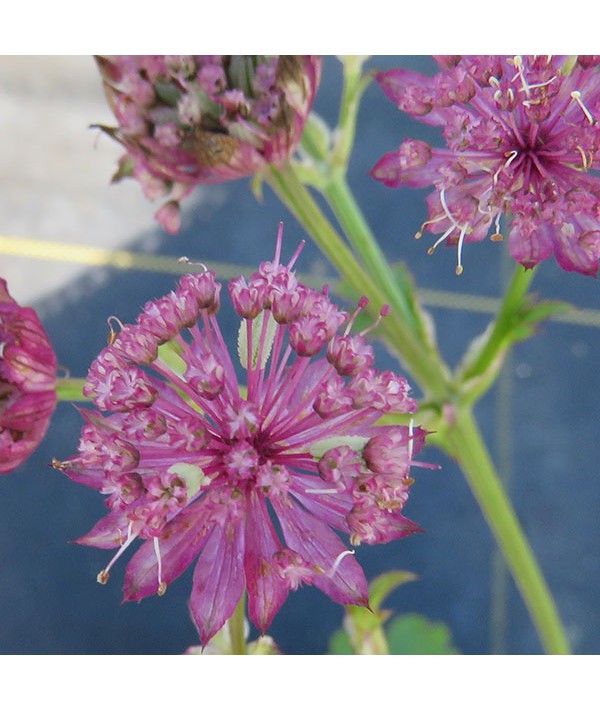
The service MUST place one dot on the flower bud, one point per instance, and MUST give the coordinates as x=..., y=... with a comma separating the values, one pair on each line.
x=27, y=381
x=185, y=121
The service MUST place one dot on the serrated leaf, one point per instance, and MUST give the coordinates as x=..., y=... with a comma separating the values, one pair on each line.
x=257, y=337
x=415, y=634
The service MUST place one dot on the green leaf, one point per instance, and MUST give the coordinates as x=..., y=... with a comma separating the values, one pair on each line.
x=340, y=643
x=385, y=584
x=414, y=634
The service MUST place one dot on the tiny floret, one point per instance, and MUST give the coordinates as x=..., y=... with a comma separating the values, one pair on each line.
x=263, y=484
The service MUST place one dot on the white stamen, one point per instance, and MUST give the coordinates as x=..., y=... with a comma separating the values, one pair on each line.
x=584, y=158
x=540, y=85
x=461, y=239
x=103, y=575
x=439, y=241
x=321, y=491
x=338, y=560
x=187, y=260
x=162, y=586
x=511, y=155
x=446, y=210
x=576, y=96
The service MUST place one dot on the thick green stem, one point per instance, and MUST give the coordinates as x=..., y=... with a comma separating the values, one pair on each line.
x=463, y=441
x=427, y=369
x=237, y=623
x=71, y=389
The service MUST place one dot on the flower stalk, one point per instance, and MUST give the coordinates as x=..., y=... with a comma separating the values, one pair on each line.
x=462, y=440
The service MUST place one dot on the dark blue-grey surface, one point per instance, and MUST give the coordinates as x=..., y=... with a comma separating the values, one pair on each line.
x=50, y=602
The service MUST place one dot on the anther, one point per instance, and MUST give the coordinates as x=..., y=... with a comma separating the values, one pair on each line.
x=57, y=464
x=437, y=243
x=103, y=577
x=576, y=96
x=338, y=560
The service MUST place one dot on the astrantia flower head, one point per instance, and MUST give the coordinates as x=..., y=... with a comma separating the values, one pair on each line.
x=27, y=381
x=249, y=482
x=522, y=137
x=187, y=120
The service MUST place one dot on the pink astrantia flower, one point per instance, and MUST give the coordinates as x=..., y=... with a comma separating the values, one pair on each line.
x=252, y=483
x=188, y=120
x=522, y=136
x=27, y=381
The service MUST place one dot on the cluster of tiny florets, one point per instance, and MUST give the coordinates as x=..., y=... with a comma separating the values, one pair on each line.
x=200, y=469
x=522, y=135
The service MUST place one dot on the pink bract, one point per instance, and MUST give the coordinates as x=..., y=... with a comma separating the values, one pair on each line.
x=522, y=136
x=27, y=381
x=189, y=120
x=251, y=485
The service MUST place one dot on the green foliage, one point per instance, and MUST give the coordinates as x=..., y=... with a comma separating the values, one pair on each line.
x=364, y=630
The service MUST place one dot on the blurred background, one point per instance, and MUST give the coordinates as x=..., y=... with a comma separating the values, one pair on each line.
x=59, y=215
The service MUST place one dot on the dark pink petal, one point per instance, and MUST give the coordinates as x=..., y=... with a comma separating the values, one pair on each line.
x=531, y=243
x=330, y=508
x=219, y=578
x=267, y=590
x=578, y=252
x=341, y=578
x=109, y=532
x=180, y=542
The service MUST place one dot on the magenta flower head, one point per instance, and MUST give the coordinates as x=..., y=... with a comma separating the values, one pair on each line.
x=254, y=483
x=522, y=136
x=27, y=381
x=188, y=120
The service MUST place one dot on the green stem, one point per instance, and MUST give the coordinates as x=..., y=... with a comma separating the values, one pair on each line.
x=426, y=368
x=463, y=441
x=361, y=238
x=71, y=389
x=237, y=623
x=512, y=302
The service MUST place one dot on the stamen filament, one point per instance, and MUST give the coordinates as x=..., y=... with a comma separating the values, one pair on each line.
x=162, y=586
x=338, y=560
x=576, y=96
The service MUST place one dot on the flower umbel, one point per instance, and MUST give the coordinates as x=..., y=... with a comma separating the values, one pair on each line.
x=187, y=120
x=522, y=136
x=251, y=482
x=27, y=381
